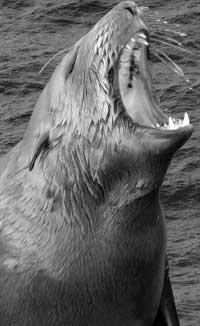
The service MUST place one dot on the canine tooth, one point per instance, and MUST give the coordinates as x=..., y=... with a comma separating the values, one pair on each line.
x=128, y=47
x=142, y=35
x=186, y=120
x=171, y=123
x=142, y=41
x=166, y=126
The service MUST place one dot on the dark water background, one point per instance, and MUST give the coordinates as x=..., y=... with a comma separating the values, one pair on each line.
x=32, y=31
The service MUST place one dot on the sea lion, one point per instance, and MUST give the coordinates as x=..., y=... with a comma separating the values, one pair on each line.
x=83, y=236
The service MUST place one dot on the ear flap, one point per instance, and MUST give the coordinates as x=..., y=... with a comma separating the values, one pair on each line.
x=42, y=144
x=68, y=62
x=59, y=76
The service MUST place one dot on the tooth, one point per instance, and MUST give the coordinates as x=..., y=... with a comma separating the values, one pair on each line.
x=128, y=47
x=133, y=39
x=157, y=125
x=142, y=41
x=186, y=120
x=142, y=35
x=166, y=126
x=179, y=122
x=171, y=123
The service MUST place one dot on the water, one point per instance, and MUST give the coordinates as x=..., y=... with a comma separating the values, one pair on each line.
x=32, y=31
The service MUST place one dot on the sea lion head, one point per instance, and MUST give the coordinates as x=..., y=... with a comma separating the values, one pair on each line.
x=98, y=109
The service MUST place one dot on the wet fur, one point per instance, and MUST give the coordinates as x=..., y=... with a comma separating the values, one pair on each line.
x=83, y=237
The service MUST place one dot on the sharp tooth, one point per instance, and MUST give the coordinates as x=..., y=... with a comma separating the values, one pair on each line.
x=171, y=123
x=186, y=120
x=142, y=41
x=142, y=35
x=179, y=122
x=166, y=126
x=128, y=47
x=157, y=125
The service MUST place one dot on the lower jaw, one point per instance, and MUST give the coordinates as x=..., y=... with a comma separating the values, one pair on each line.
x=154, y=151
x=142, y=110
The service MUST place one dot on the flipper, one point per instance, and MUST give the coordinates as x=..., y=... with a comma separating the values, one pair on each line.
x=167, y=314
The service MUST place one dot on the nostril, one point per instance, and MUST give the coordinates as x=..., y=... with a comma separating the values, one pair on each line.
x=132, y=10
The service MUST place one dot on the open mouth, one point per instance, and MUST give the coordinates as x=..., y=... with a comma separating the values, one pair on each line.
x=135, y=85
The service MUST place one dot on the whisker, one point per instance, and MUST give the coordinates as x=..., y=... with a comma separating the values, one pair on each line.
x=172, y=45
x=171, y=31
x=178, y=70
x=160, y=54
x=52, y=58
x=61, y=51
x=165, y=38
